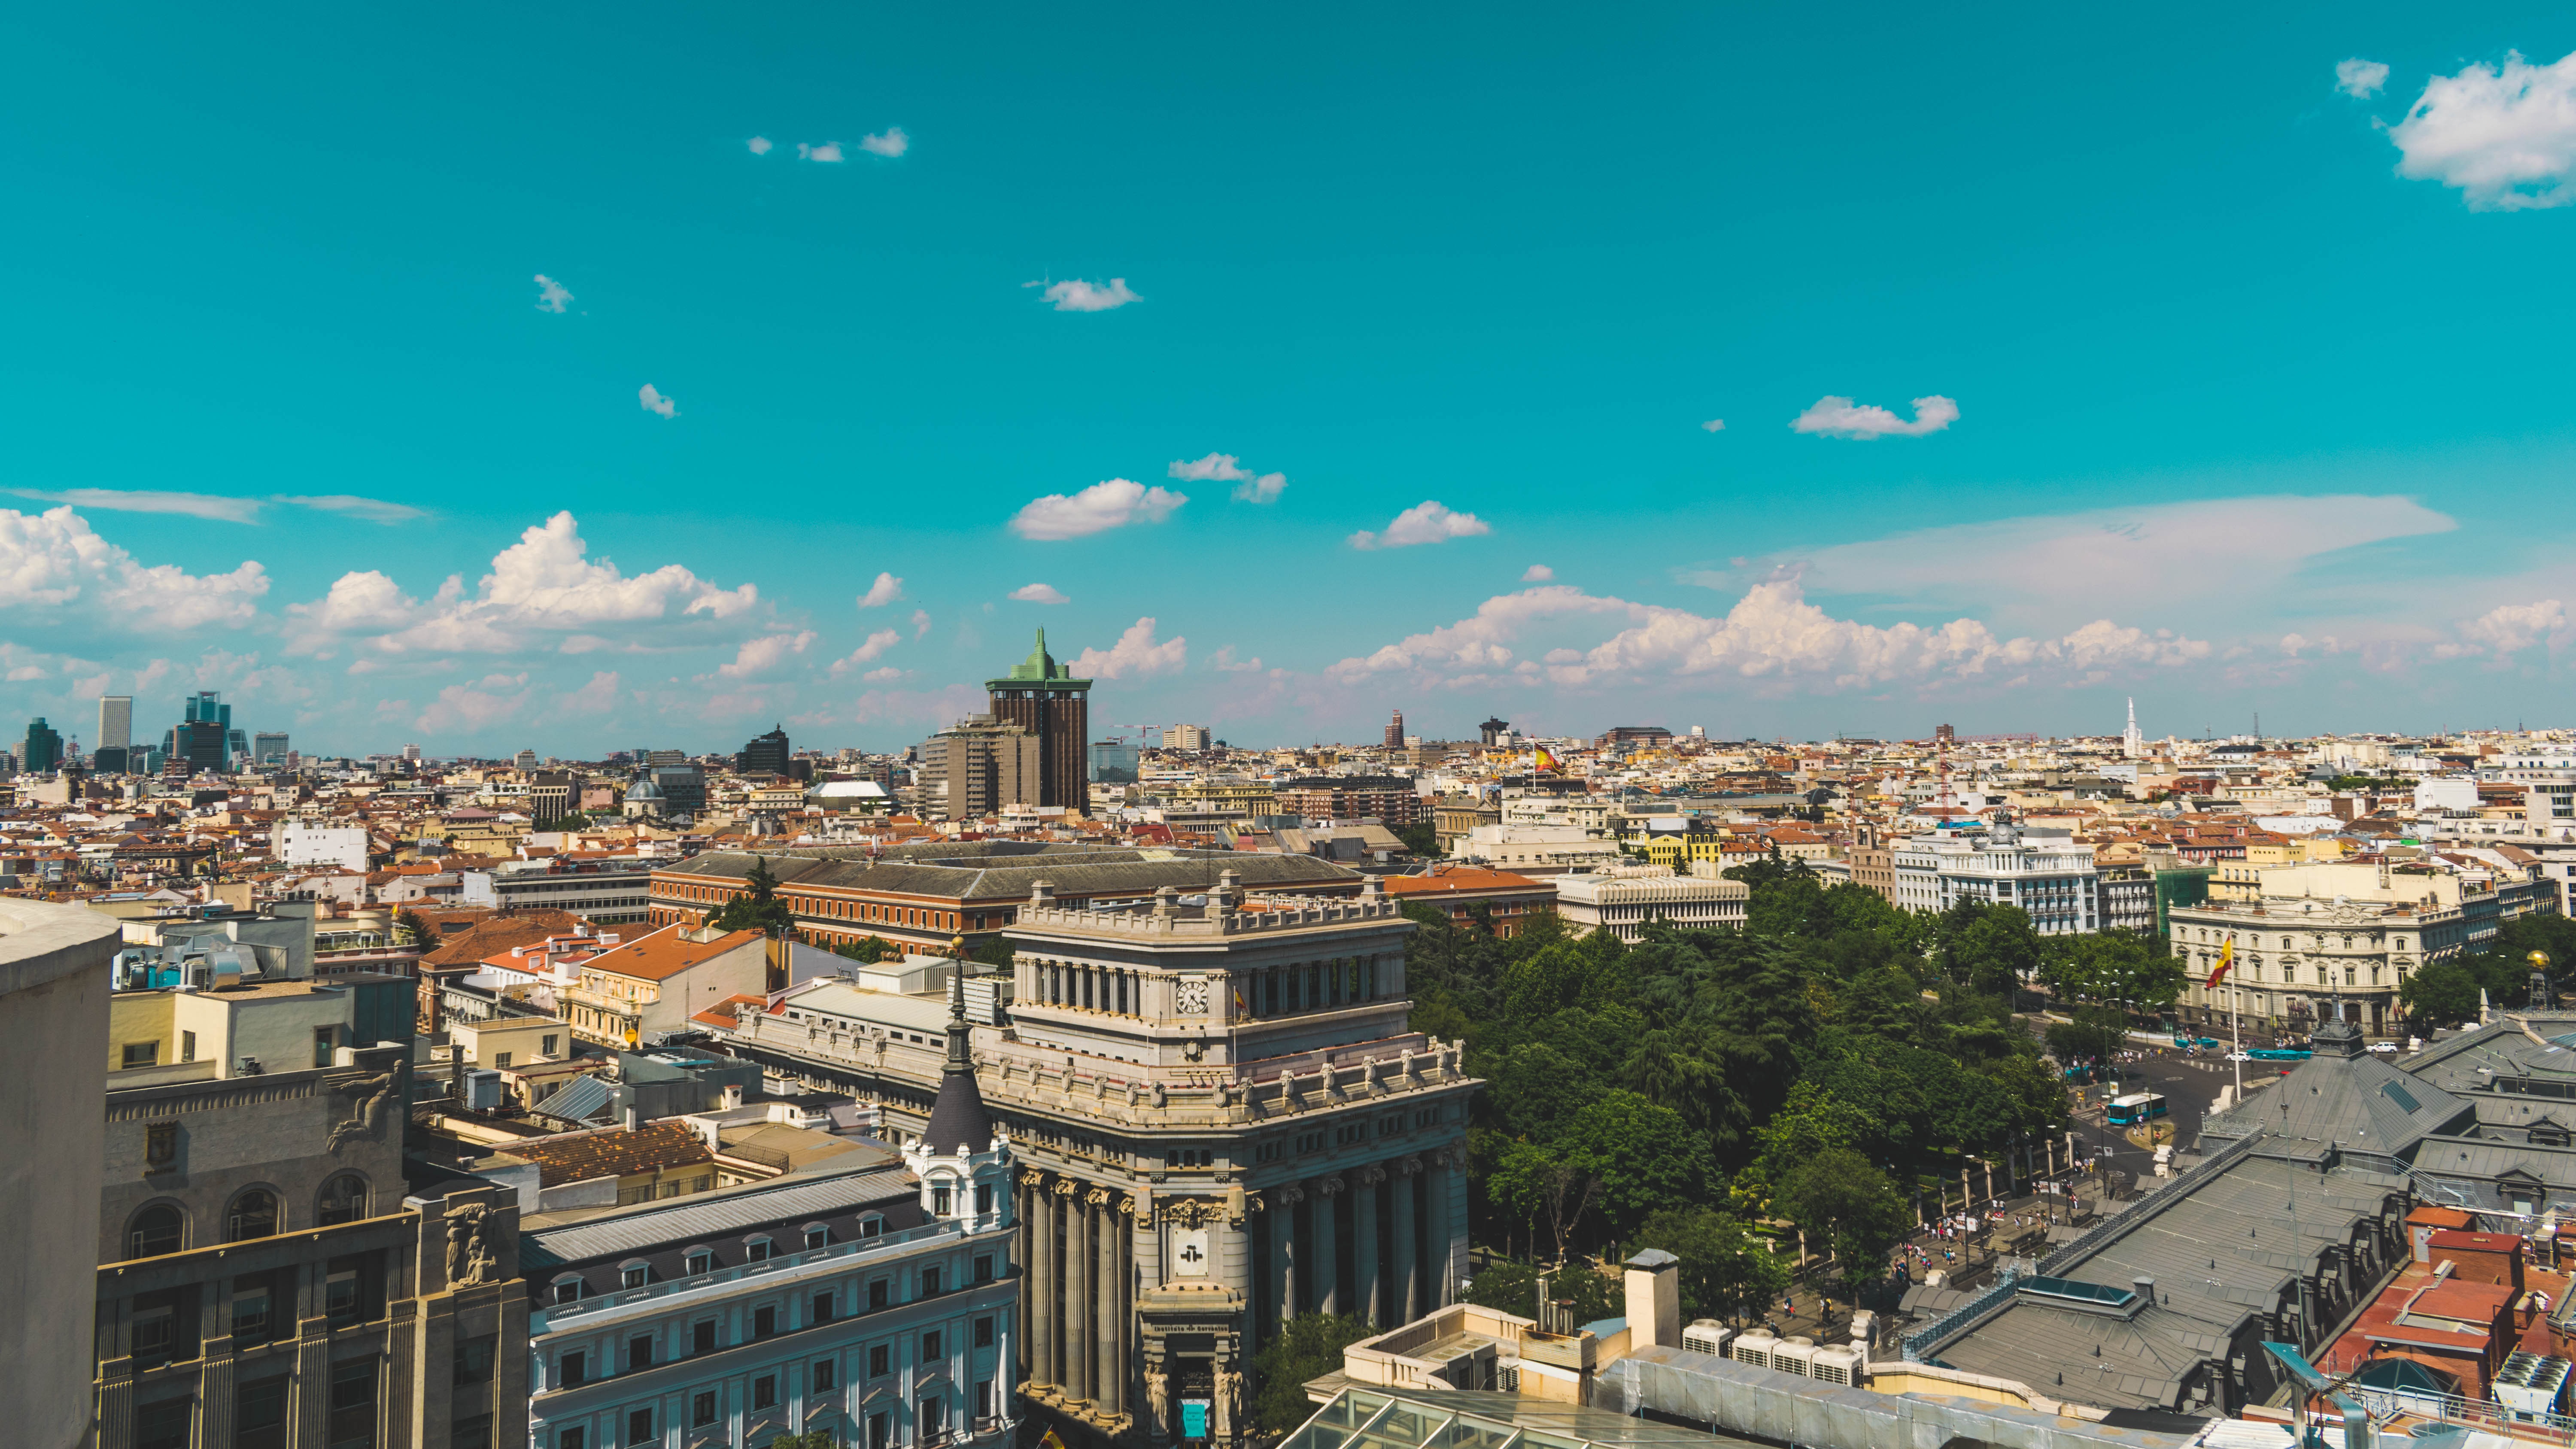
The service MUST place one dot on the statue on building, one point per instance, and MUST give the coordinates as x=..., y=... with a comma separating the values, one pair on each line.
x=1158, y=1402
x=470, y=1256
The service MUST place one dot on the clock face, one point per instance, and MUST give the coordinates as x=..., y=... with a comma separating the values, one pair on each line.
x=1190, y=1257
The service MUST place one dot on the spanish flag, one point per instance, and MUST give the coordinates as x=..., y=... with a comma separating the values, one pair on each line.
x=1050, y=1441
x=1542, y=760
x=2226, y=958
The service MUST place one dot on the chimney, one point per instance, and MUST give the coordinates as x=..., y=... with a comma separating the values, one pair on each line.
x=630, y=1119
x=733, y=1095
x=1654, y=1294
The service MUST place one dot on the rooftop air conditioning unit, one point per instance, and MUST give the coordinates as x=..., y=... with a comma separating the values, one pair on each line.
x=1707, y=1335
x=1843, y=1366
x=1754, y=1346
x=1795, y=1356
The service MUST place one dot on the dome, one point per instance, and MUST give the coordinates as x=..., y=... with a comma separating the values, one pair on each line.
x=644, y=789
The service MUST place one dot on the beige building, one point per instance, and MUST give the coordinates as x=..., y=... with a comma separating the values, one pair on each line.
x=1624, y=899
x=1537, y=850
x=656, y=982
x=976, y=766
x=510, y=1041
x=162, y=1035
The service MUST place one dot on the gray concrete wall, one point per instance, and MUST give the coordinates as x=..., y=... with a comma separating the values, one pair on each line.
x=53, y=1089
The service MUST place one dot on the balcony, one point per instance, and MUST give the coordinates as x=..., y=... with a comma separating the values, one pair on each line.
x=580, y=1313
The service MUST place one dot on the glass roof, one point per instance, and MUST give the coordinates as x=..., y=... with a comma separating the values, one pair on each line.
x=1363, y=1418
x=2085, y=1292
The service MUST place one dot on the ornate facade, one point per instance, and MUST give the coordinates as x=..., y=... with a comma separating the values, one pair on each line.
x=1221, y=1119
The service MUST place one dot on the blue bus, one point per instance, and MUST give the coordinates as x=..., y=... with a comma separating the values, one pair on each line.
x=2280, y=1054
x=2131, y=1110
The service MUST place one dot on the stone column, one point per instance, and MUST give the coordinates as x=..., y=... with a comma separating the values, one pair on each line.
x=1283, y=1245
x=1078, y=1290
x=1406, y=1298
x=1328, y=1256
x=1442, y=1184
x=1111, y=1371
x=1371, y=1304
x=1041, y=1294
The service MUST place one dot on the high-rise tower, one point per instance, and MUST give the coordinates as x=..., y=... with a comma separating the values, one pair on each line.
x=1395, y=731
x=1043, y=698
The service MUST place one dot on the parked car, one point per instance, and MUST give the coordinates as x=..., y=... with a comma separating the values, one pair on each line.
x=2383, y=1046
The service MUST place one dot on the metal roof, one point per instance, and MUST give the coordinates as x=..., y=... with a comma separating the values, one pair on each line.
x=688, y=1219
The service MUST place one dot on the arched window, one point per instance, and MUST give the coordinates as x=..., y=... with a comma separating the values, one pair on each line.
x=344, y=1200
x=252, y=1215
x=157, y=1229
x=568, y=1289
x=818, y=1235
x=634, y=1273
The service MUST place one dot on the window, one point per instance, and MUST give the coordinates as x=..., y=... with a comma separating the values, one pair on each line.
x=871, y=1227
x=756, y=1249
x=187, y=1046
x=156, y=1230
x=699, y=1260
x=877, y=1294
x=826, y=1375
x=764, y=1392
x=633, y=1275
x=324, y=1038
x=822, y=1308
x=930, y=1282
x=344, y=1200
x=939, y=1200
x=702, y=1408
x=817, y=1235
x=500, y=1060
x=576, y=1437
x=253, y=1215
x=764, y=1322
x=930, y=1346
x=353, y=1405
x=549, y=1048
x=983, y=1267
x=877, y=1361
x=567, y=1290
x=983, y=1198
x=639, y=1426
x=141, y=1054
x=880, y=1431
x=259, y=1414
x=702, y=1336
x=474, y=1433
x=984, y=1399
x=164, y=1425
x=639, y=1352
x=252, y=1315
x=929, y=1426
x=576, y=1366
x=474, y=1359
x=984, y=1332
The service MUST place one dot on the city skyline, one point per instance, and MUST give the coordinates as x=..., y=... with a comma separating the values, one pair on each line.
x=1662, y=380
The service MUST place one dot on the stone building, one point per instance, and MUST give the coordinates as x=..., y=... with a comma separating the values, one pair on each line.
x=1221, y=1119
x=1625, y=899
x=1043, y=698
x=268, y=1280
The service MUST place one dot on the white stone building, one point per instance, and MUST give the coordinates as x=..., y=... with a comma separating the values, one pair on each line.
x=2044, y=872
x=1624, y=899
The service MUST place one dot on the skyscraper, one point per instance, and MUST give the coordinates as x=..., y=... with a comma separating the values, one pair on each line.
x=44, y=749
x=115, y=722
x=202, y=738
x=1043, y=698
x=765, y=754
x=1395, y=732
x=267, y=748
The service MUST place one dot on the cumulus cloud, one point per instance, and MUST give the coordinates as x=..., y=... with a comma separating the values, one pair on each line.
x=1080, y=296
x=488, y=701
x=920, y=623
x=2509, y=629
x=1426, y=522
x=551, y=296
x=372, y=510
x=542, y=589
x=1264, y=489
x=655, y=401
x=1224, y=659
x=892, y=141
x=54, y=560
x=1108, y=504
x=599, y=696
x=829, y=151
x=1039, y=594
x=1537, y=574
x=877, y=644
x=150, y=500
x=2504, y=136
x=1134, y=656
x=1772, y=634
x=1713, y=425
x=760, y=656
x=884, y=591
x=758, y=145
x=2360, y=79
x=1839, y=417
x=1214, y=468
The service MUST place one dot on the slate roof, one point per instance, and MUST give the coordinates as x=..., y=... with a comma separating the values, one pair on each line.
x=1077, y=870
x=2346, y=1099
x=710, y=1216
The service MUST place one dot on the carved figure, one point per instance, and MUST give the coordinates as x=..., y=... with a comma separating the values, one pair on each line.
x=1158, y=1402
x=1228, y=1403
x=470, y=1255
x=364, y=1113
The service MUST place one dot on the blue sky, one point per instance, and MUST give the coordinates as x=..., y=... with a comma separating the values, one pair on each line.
x=2245, y=378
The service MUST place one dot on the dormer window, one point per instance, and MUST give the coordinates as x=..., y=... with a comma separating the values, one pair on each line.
x=633, y=1273
x=568, y=1289
x=818, y=1235
x=699, y=1260
x=757, y=1249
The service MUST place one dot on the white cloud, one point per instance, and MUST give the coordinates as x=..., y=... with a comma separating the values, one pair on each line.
x=488, y=701
x=2509, y=629
x=884, y=591
x=1079, y=296
x=146, y=500
x=540, y=587
x=2360, y=79
x=761, y=655
x=1537, y=574
x=892, y=141
x=1214, y=468
x=1224, y=659
x=373, y=510
x=1837, y=417
x=829, y=151
x=2505, y=136
x=1772, y=634
x=656, y=402
x=1713, y=425
x=55, y=560
x=551, y=295
x=877, y=644
x=1264, y=489
x=758, y=145
x=1108, y=504
x=887, y=675
x=920, y=623
x=1039, y=594
x=599, y=696
x=1425, y=522
x=1135, y=655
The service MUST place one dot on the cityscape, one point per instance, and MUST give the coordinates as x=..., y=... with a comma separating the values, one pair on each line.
x=1677, y=729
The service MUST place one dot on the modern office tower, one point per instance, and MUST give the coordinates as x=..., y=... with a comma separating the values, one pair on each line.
x=1043, y=698
x=524, y=760
x=978, y=765
x=1395, y=731
x=411, y=753
x=764, y=755
x=683, y=788
x=267, y=747
x=115, y=722
x=201, y=739
x=1113, y=762
x=1186, y=737
x=1495, y=730
x=44, y=749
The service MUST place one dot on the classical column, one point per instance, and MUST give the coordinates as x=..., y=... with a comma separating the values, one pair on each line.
x=1407, y=1297
x=1042, y=1288
x=1364, y=1274
x=1328, y=1256
x=1077, y=1293
x=1111, y=1371
x=1283, y=1245
x=1440, y=1183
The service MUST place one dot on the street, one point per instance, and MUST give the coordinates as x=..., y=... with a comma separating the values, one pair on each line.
x=2190, y=1085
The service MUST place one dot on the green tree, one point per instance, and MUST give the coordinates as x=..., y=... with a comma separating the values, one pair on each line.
x=1540, y=1184
x=810, y=1439
x=1644, y=1157
x=1837, y=1197
x=1306, y=1347
x=1512, y=1286
x=2440, y=993
x=1422, y=838
x=867, y=950
x=995, y=951
x=758, y=908
x=422, y=934
x=2094, y=1033
x=1726, y=1271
